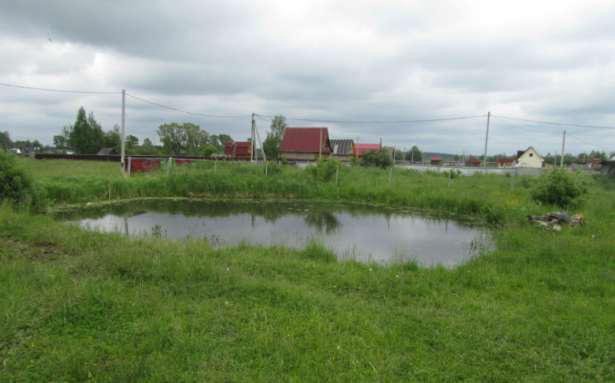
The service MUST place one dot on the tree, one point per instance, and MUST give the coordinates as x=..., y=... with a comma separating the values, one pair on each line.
x=113, y=139
x=186, y=138
x=83, y=137
x=278, y=124
x=62, y=141
x=131, y=142
x=5, y=140
x=27, y=146
x=271, y=145
x=380, y=158
x=414, y=154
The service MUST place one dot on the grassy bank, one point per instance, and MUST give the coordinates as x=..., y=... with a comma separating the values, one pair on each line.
x=492, y=198
x=83, y=306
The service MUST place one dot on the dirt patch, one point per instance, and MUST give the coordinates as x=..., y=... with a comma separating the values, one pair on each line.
x=41, y=251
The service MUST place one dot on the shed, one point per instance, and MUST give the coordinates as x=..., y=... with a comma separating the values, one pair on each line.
x=342, y=148
x=506, y=162
x=473, y=161
x=305, y=144
x=238, y=150
x=436, y=160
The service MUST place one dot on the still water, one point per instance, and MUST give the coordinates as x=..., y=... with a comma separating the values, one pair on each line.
x=359, y=233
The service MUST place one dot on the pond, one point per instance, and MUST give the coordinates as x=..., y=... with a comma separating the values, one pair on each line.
x=364, y=234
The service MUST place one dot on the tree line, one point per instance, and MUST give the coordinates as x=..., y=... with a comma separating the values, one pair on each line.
x=86, y=136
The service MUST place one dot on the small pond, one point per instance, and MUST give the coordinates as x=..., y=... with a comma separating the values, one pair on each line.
x=365, y=234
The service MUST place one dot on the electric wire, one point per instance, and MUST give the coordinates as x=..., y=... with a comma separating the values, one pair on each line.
x=394, y=122
x=562, y=124
x=6, y=85
x=172, y=108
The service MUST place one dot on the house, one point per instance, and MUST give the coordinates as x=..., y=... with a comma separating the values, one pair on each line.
x=305, y=144
x=107, y=152
x=361, y=149
x=238, y=150
x=436, y=160
x=506, y=162
x=529, y=158
x=342, y=149
x=608, y=167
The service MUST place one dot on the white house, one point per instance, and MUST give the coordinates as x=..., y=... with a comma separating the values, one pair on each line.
x=529, y=158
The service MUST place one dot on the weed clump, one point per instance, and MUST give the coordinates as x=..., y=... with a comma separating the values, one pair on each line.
x=318, y=252
x=558, y=188
x=380, y=158
x=324, y=170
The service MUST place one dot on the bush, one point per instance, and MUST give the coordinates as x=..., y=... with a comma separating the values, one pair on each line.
x=324, y=170
x=378, y=158
x=15, y=185
x=558, y=188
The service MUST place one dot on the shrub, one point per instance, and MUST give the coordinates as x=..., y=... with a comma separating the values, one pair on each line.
x=378, y=158
x=324, y=170
x=558, y=188
x=15, y=184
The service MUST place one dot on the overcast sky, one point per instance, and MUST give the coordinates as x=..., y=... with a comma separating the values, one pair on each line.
x=333, y=60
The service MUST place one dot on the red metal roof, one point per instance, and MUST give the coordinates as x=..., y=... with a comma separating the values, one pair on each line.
x=436, y=158
x=305, y=140
x=361, y=149
x=238, y=149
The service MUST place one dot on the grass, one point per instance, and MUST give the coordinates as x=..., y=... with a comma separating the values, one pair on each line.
x=79, y=306
x=64, y=168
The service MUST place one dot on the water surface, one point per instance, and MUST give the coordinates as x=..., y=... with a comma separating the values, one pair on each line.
x=359, y=233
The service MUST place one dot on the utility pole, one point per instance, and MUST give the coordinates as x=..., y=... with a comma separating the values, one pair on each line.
x=123, y=135
x=253, y=140
x=486, y=140
x=561, y=163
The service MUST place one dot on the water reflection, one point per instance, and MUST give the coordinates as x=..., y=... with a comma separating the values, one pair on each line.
x=364, y=234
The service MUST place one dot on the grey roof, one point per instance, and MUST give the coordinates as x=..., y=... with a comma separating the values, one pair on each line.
x=341, y=147
x=106, y=151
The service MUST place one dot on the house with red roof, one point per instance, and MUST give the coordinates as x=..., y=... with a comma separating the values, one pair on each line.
x=305, y=144
x=361, y=149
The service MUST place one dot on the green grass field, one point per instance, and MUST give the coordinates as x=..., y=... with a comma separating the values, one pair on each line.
x=82, y=306
x=65, y=168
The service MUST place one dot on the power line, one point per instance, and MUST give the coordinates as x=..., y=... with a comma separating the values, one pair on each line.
x=376, y=121
x=563, y=124
x=168, y=107
x=56, y=90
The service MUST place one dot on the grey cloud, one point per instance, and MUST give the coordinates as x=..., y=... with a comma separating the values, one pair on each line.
x=336, y=60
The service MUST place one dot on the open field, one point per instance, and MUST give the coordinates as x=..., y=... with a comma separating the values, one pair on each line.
x=80, y=306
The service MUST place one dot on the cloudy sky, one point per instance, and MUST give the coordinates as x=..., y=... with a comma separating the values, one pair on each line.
x=321, y=60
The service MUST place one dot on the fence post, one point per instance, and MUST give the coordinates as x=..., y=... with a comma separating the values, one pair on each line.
x=337, y=175
x=129, y=166
x=266, y=167
x=391, y=176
